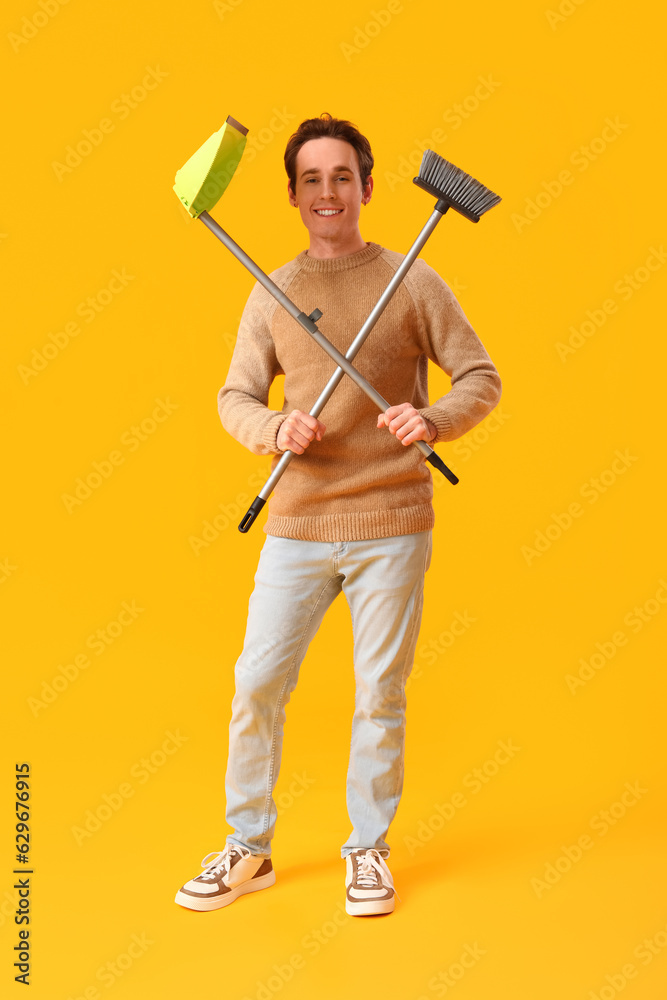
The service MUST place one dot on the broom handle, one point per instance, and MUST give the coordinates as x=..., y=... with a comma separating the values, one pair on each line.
x=344, y=366
x=354, y=347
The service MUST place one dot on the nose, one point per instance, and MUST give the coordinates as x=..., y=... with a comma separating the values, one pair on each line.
x=328, y=190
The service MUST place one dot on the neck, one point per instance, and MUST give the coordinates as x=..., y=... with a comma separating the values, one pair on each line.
x=326, y=249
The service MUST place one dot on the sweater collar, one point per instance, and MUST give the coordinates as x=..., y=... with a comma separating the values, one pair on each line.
x=327, y=265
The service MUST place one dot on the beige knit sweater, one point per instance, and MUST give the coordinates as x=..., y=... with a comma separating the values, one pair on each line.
x=359, y=481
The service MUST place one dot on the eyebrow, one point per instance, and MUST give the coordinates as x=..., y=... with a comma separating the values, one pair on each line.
x=336, y=170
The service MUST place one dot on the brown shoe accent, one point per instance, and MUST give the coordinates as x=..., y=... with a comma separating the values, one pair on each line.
x=368, y=885
x=211, y=889
x=264, y=868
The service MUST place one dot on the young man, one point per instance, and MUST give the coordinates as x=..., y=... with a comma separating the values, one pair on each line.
x=353, y=511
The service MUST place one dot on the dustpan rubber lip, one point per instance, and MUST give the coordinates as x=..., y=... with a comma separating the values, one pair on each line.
x=237, y=125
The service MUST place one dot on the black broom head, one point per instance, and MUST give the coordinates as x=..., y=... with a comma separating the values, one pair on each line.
x=453, y=186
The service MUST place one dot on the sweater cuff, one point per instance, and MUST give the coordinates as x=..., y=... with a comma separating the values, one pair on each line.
x=270, y=432
x=440, y=421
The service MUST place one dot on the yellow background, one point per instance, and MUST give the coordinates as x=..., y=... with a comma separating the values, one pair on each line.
x=476, y=880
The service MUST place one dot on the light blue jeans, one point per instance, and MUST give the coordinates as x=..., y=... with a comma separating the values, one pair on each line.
x=295, y=583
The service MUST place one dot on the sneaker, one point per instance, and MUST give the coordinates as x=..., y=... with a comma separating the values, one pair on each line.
x=232, y=872
x=369, y=887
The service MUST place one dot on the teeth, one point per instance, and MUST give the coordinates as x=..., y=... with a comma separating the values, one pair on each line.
x=328, y=211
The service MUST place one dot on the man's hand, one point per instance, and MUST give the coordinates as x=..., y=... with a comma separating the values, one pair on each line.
x=407, y=424
x=296, y=433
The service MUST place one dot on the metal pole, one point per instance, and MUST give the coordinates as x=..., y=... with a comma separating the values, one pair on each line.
x=343, y=362
x=307, y=322
x=373, y=317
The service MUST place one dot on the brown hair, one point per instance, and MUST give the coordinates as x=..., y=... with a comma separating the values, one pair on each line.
x=334, y=128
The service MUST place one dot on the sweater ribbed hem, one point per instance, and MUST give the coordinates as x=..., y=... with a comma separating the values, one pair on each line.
x=355, y=526
x=270, y=432
x=440, y=421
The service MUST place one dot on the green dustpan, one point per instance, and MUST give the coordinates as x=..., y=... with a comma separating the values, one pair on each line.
x=203, y=180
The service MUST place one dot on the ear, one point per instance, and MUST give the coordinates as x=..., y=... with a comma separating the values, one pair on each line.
x=367, y=192
x=292, y=197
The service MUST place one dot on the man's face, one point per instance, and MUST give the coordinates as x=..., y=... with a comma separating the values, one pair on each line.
x=329, y=193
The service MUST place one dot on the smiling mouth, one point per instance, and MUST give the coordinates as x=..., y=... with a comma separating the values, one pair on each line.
x=328, y=211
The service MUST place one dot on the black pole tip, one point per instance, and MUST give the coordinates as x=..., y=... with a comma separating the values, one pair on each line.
x=252, y=512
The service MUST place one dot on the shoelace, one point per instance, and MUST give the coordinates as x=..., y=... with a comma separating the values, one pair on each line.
x=373, y=872
x=222, y=861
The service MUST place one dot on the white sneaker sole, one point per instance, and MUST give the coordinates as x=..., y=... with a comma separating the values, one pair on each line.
x=215, y=903
x=367, y=907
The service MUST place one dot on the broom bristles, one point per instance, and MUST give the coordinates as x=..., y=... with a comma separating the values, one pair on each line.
x=451, y=184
